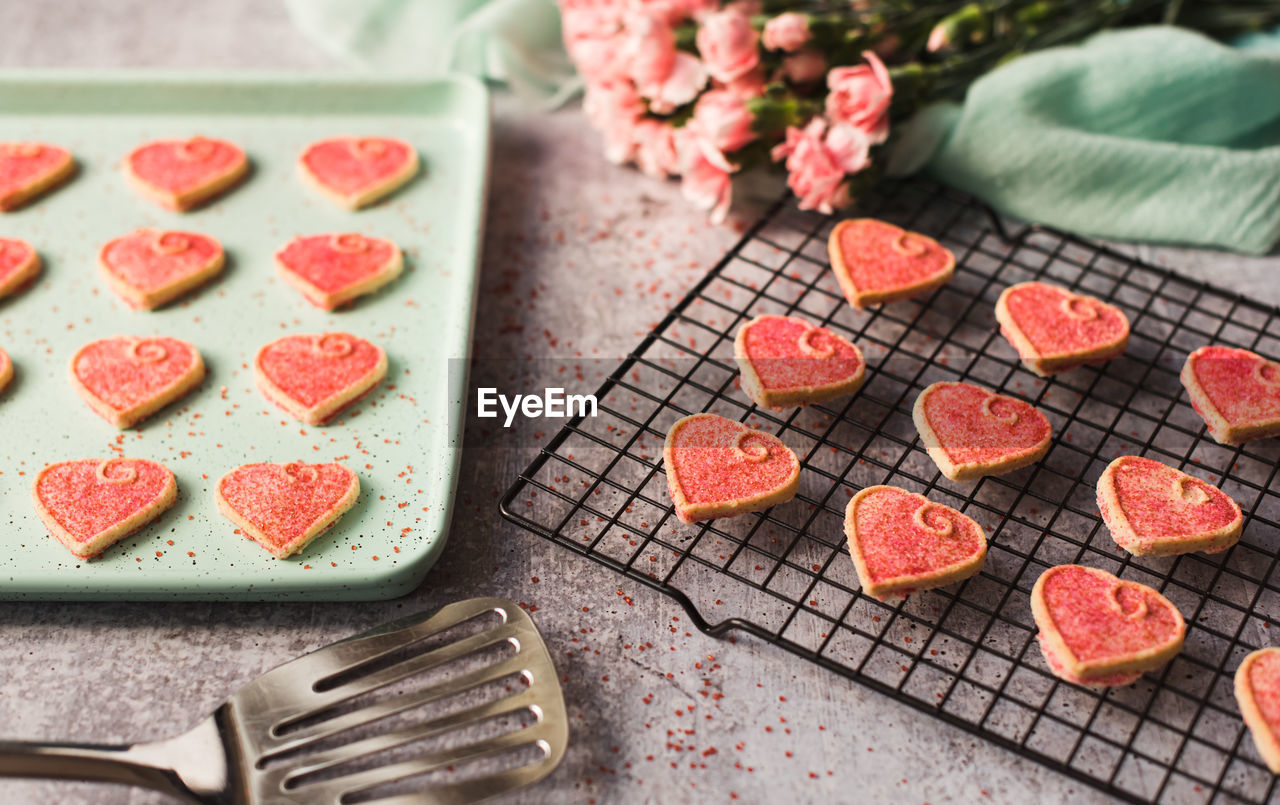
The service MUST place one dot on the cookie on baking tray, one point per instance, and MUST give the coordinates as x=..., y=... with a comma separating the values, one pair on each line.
x=181, y=175
x=316, y=377
x=19, y=265
x=90, y=503
x=1098, y=630
x=6, y=371
x=1153, y=509
x=785, y=360
x=149, y=267
x=1236, y=391
x=970, y=431
x=332, y=269
x=126, y=379
x=355, y=172
x=284, y=507
x=719, y=467
x=31, y=169
x=1054, y=330
x=902, y=542
x=876, y=262
x=1257, y=686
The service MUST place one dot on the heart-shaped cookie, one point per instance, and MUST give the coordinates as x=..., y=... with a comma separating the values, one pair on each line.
x=902, y=542
x=285, y=506
x=1258, y=694
x=29, y=169
x=788, y=361
x=183, y=174
x=315, y=377
x=126, y=379
x=357, y=171
x=1154, y=510
x=19, y=265
x=90, y=503
x=149, y=267
x=1099, y=630
x=1055, y=330
x=718, y=467
x=6, y=370
x=970, y=431
x=333, y=269
x=1236, y=391
x=876, y=262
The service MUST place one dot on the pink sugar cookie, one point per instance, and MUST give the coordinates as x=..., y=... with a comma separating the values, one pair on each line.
x=788, y=361
x=876, y=262
x=333, y=269
x=19, y=265
x=149, y=267
x=1055, y=330
x=970, y=431
x=126, y=379
x=285, y=506
x=1257, y=686
x=1236, y=391
x=6, y=370
x=356, y=171
x=315, y=377
x=28, y=170
x=90, y=503
x=1154, y=510
x=181, y=175
x=718, y=467
x=1099, y=630
x=902, y=542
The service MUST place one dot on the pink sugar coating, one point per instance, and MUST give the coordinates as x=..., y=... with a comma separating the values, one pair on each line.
x=1060, y=670
x=1264, y=680
x=709, y=469
x=13, y=255
x=1229, y=381
x=284, y=505
x=314, y=259
x=1037, y=309
x=85, y=505
x=161, y=164
x=1144, y=490
x=312, y=376
x=107, y=369
x=1078, y=601
x=773, y=345
x=133, y=259
x=18, y=172
x=894, y=546
x=873, y=263
x=5, y=365
x=969, y=436
x=336, y=164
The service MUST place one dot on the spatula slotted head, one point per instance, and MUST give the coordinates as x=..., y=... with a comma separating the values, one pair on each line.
x=450, y=708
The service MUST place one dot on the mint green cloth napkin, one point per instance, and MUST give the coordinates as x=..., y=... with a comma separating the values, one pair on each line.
x=1154, y=133
x=513, y=41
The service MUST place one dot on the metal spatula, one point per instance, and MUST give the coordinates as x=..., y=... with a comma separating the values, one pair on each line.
x=450, y=707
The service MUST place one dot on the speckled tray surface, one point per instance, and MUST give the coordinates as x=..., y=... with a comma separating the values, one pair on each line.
x=402, y=439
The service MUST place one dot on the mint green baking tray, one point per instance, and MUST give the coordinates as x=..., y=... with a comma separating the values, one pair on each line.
x=405, y=439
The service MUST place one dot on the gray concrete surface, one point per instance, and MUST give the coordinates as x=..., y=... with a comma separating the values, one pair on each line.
x=581, y=259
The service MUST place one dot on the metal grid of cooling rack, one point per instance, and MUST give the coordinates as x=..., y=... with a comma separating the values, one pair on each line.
x=965, y=653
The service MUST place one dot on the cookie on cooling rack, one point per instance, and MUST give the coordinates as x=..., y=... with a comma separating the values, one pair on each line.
x=1055, y=330
x=29, y=169
x=719, y=467
x=902, y=542
x=181, y=175
x=1098, y=630
x=1257, y=687
x=970, y=431
x=1153, y=509
x=785, y=361
x=876, y=262
x=1236, y=391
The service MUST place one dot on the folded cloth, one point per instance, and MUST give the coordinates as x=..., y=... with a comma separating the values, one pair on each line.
x=514, y=41
x=1155, y=134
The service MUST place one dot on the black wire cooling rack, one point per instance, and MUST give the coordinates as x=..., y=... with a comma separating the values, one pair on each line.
x=967, y=653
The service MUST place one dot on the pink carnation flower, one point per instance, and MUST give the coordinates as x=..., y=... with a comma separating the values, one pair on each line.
x=705, y=174
x=655, y=148
x=722, y=118
x=728, y=44
x=860, y=97
x=806, y=67
x=667, y=78
x=789, y=32
x=817, y=164
x=615, y=110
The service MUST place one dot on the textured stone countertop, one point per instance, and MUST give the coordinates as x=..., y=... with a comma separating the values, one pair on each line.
x=581, y=258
